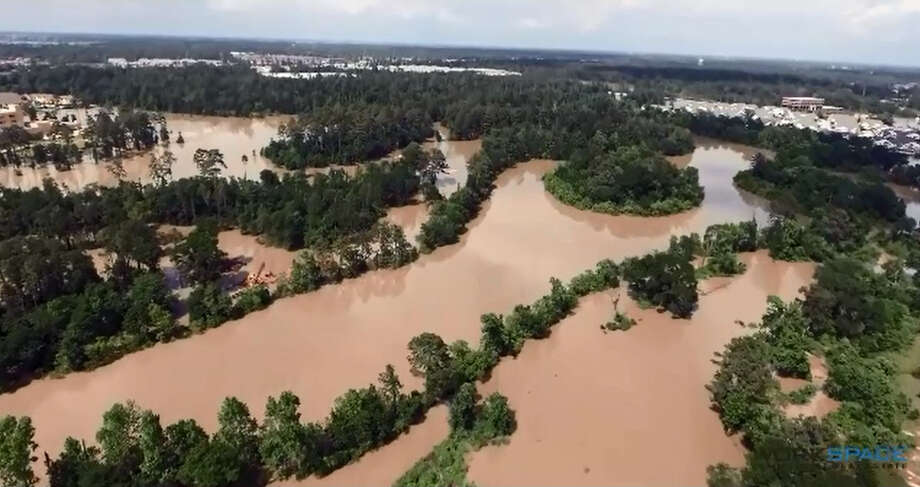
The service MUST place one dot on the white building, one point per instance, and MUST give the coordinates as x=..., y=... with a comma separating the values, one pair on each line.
x=11, y=115
x=807, y=103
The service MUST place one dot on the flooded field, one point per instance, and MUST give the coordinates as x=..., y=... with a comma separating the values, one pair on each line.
x=320, y=344
x=235, y=137
x=621, y=404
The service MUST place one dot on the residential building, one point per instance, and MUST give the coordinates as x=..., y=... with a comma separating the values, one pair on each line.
x=806, y=103
x=10, y=115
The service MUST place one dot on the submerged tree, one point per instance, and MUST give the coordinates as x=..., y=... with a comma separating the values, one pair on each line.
x=209, y=162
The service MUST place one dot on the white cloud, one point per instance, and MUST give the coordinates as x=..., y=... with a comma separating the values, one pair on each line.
x=531, y=23
x=867, y=30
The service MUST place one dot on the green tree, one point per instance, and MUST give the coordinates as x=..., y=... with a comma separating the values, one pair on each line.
x=287, y=447
x=428, y=353
x=16, y=452
x=208, y=161
x=463, y=408
x=198, y=256
x=390, y=384
x=119, y=437
x=161, y=167
x=238, y=429
x=494, y=335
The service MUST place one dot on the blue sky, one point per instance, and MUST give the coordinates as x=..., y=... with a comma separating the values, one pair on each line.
x=870, y=31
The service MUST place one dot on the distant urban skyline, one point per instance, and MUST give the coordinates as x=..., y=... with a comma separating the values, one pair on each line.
x=841, y=31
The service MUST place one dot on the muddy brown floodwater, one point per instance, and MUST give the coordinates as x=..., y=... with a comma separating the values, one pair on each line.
x=627, y=408
x=256, y=256
x=456, y=153
x=820, y=405
x=320, y=344
x=235, y=137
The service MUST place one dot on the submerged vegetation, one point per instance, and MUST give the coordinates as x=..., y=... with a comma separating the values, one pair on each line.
x=620, y=321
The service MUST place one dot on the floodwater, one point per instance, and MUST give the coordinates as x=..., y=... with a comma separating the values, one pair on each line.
x=257, y=258
x=621, y=403
x=320, y=344
x=410, y=218
x=911, y=198
x=820, y=404
x=235, y=137
x=456, y=154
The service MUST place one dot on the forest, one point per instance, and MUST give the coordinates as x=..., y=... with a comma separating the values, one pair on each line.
x=347, y=135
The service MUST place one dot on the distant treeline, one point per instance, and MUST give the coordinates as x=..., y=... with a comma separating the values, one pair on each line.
x=854, y=90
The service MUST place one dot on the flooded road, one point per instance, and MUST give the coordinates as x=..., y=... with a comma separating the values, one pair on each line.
x=627, y=408
x=320, y=344
x=235, y=137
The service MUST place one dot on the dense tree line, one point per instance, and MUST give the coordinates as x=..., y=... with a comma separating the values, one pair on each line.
x=294, y=211
x=805, y=189
x=238, y=90
x=347, y=135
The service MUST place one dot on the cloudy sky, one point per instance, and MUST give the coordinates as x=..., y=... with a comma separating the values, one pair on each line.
x=872, y=31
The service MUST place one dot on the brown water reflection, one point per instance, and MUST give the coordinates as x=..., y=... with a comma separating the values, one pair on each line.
x=613, y=403
x=320, y=344
x=456, y=154
x=235, y=137
x=410, y=218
